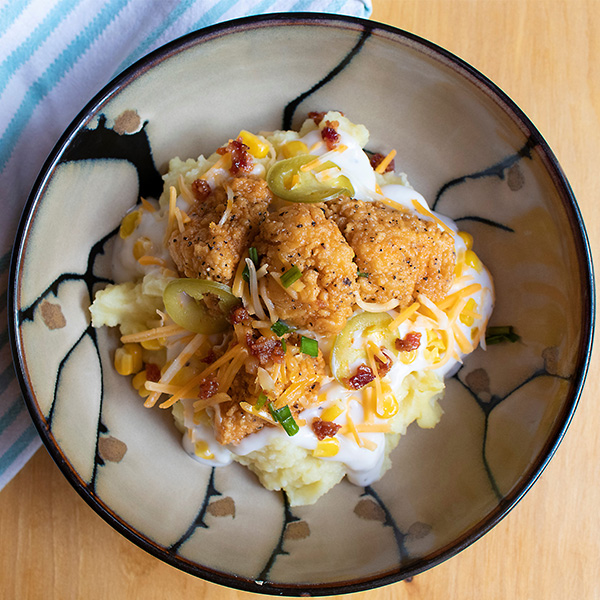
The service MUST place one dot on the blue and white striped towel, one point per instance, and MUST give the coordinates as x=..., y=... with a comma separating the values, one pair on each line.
x=54, y=56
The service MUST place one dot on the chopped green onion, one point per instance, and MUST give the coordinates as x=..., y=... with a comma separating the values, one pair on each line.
x=280, y=328
x=309, y=346
x=361, y=274
x=284, y=417
x=262, y=400
x=497, y=335
x=290, y=276
x=253, y=254
x=284, y=346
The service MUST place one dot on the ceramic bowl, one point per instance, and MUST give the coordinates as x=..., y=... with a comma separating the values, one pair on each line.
x=465, y=146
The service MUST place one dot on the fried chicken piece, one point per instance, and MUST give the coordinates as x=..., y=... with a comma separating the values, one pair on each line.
x=401, y=255
x=300, y=235
x=232, y=424
x=206, y=248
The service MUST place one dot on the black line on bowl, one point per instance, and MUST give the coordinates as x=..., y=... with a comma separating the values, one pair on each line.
x=288, y=518
x=485, y=222
x=487, y=407
x=211, y=491
x=132, y=147
x=497, y=170
x=290, y=109
x=399, y=536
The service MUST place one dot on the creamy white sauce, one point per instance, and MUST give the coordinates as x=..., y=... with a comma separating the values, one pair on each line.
x=363, y=464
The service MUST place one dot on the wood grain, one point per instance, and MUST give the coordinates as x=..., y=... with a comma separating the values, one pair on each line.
x=545, y=54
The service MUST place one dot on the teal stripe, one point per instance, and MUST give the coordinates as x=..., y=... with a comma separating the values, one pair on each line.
x=9, y=457
x=335, y=6
x=10, y=12
x=53, y=74
x=144, y=47
x=8, y=375
x=212, y=15
x=26, y=49
x=9, y=417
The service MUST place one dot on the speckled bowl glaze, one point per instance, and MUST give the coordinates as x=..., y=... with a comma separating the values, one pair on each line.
x=465, y=146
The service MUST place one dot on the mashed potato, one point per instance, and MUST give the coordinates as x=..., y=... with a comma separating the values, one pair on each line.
x=303, y=302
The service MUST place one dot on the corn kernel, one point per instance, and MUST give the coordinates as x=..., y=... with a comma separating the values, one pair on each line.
x=156, y=344
x=472, y=260
x=467, y=238
x=294, y=148
x=202, y=450
x=139, y=383
x=326, y=447
x=389, y=406
x=128, y=359
x=465, y=318
x=201, y=418
x=407, y=357
x=331, y=413
x=129, y=223
x=257, y=147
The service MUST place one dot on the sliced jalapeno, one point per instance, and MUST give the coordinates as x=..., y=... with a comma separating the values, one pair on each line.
x=199, y=305
x=287, y=180
x=349, y=345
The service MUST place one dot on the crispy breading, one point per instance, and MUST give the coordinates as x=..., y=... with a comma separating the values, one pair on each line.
x=207, y=250
x=399, y=254
x=232, y=424
x=300, y=235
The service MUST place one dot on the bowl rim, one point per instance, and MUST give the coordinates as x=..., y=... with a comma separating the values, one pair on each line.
x=462, y=69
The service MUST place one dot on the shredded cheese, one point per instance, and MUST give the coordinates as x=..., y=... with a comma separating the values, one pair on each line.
x=383, y=165
x=185, y=191
x=256, y=303
x=153, y=334
x=404, y=315
x=148, y=260
x=376, y=307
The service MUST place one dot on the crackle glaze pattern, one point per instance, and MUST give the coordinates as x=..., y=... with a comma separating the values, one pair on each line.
x=464, y=146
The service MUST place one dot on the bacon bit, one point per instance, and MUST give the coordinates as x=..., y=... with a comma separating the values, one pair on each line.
x=375, y=159
x=200, y=189
x=241, y=159
x=364, y=375
x=239, y=315
x=324, y=429
x=208, y=388
x=411, y=341
x=317, y=117
x=152, y=372
x=383, y=367
x=330, y=135
x=209, y=358
x=266, y=349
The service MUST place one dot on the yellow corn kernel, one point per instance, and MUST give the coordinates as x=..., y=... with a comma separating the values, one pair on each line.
x=435, y=347
x=156, y=344
x=139, y=383
x=129, y=223
x=472, y=260
x=465, y=316
x=128, y=359
x=202, y=450
x=474, y=333
x=201, y=417
x=467, y=238
x=389, y=406
x=257, y=147
x=326, y=447
x=407, y=357
x=294, y=148
x=332, y=413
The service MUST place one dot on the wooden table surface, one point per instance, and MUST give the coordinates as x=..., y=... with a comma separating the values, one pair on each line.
x=545, y=54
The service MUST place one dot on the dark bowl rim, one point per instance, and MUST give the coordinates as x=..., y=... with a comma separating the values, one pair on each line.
x=461, y=68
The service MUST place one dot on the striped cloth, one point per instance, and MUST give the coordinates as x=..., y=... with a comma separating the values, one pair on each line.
x=54, y=56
